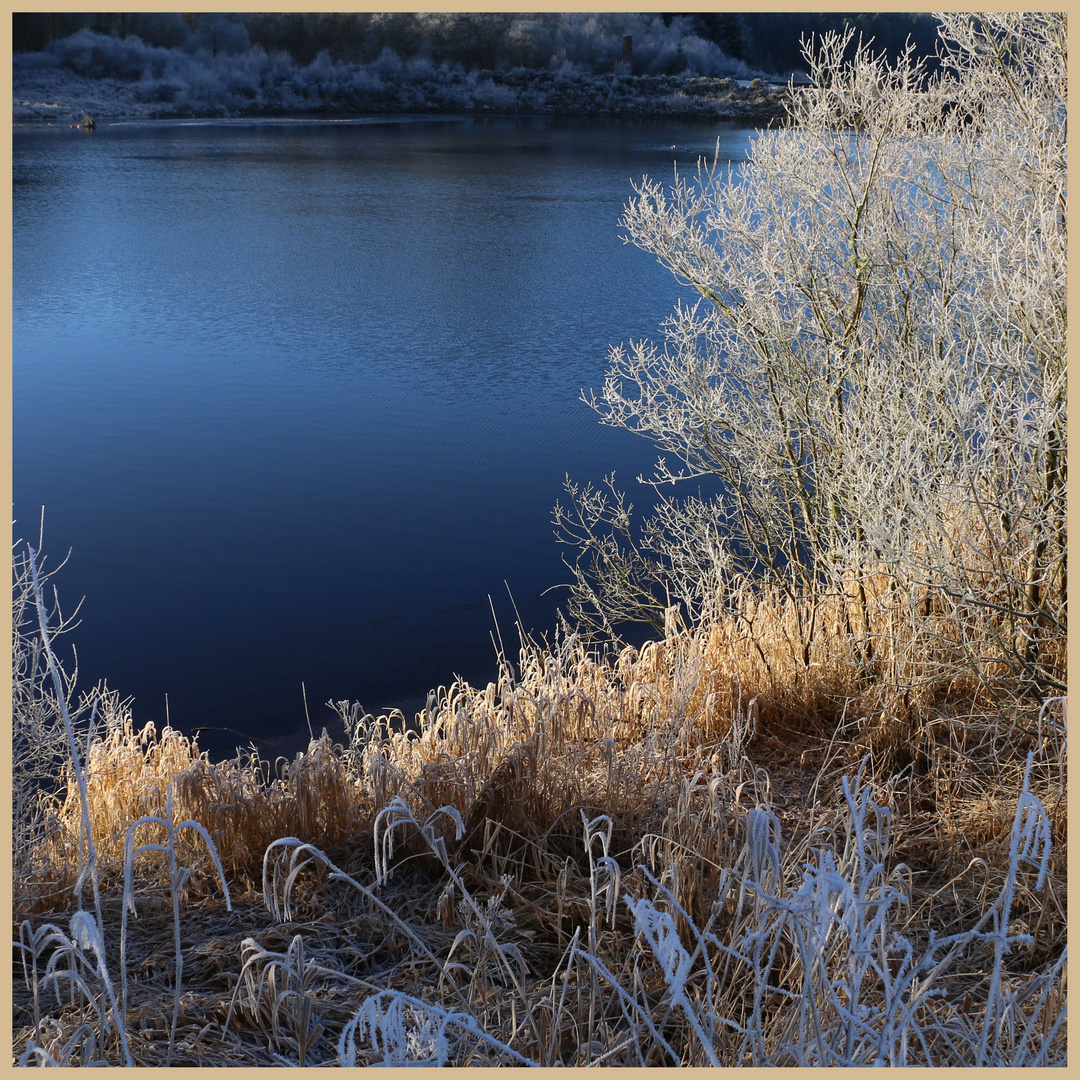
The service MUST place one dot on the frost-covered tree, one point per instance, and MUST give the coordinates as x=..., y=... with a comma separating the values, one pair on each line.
x=872, y=373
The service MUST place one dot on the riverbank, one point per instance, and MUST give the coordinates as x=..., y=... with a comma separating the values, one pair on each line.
x=697, y=852
x=546, y=867
x=61, y=96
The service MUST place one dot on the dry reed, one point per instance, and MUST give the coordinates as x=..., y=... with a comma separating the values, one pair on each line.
x=462, y=888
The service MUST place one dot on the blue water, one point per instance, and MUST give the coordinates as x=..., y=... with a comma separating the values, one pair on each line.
x=299, y=396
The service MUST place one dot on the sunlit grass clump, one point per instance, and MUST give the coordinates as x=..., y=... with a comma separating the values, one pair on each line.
x=672, y=854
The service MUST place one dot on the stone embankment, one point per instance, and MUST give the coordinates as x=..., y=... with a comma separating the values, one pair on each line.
x=61, y=96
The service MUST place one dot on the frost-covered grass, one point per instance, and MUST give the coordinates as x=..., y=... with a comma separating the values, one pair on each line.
x=111, y=77
x=618, y=859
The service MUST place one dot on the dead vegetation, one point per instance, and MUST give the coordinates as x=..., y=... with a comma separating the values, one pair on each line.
x=599, y=859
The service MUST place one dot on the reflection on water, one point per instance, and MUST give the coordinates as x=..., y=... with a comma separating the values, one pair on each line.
x=300, y=396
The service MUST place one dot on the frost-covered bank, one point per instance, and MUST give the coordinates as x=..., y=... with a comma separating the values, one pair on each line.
x=112, y=78
x=64, y=96
x=643, y=858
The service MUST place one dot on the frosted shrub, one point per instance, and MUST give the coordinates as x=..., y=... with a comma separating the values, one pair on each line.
x=99, y=55
x=388, y=65
x=486, y=92
x=871, y=373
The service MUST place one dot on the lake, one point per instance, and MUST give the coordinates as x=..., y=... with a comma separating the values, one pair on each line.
x=299, y=396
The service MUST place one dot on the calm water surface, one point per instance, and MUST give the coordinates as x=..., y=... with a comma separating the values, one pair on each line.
x=300, y=396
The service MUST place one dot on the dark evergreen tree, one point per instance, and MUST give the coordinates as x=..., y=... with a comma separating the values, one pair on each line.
x=727, y=29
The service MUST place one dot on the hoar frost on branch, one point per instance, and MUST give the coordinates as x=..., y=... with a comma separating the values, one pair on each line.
x=874, y=368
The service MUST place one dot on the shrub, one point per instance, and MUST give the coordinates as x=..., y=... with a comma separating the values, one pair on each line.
x=872, y=376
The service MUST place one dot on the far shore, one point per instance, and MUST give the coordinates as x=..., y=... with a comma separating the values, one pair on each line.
x=64, y=98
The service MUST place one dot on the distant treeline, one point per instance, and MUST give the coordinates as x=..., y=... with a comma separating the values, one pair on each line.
x=712, y=43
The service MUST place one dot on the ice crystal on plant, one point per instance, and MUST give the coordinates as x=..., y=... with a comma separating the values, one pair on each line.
x=494, y=914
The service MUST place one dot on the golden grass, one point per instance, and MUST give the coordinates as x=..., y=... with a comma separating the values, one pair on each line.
x=679, y=744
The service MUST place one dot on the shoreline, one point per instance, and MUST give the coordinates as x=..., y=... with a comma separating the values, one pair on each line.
x=65, y=98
